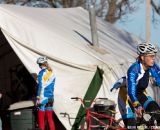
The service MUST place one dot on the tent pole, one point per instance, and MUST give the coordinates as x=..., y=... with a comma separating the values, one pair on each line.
x=148, y=35
x=93, y=26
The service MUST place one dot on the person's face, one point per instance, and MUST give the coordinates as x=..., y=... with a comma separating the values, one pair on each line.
x=149, y=59
x=41, y=66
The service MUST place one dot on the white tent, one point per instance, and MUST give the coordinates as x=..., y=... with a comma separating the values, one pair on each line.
x=64, y=36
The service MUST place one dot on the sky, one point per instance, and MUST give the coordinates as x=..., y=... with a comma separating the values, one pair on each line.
x=136, y=24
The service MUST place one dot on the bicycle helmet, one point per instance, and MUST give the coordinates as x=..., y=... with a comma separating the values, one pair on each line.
x=144, y=48
x=41, y=60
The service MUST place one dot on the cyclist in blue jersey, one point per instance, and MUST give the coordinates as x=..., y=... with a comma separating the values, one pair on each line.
x=45, y=94
x=134, y=97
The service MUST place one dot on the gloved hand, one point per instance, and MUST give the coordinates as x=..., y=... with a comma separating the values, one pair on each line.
x=121, y=82
x=139, y=111
x=115, y=86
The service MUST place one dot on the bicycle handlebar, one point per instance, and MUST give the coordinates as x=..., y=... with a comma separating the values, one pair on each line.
x=76, y=98
x=152, y=112
x=68, y=116
x=103, y=98
x=88, y=100
x=63, y=113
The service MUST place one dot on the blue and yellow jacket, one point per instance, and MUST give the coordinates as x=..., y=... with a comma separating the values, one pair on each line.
x=46, y=80
x=134, y=74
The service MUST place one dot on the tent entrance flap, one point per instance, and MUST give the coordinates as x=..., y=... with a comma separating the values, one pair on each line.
x=90, y=94
x=16, y=82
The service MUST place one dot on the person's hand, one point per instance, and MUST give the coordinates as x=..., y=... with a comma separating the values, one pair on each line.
x=153, y=81
x=37, y=102
x=139, y=111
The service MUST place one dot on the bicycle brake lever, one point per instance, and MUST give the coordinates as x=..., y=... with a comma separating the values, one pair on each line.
x=103, y=98
x=76, y=98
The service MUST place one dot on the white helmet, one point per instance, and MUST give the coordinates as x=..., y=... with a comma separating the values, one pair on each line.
x=145, y=48
x=41, y=60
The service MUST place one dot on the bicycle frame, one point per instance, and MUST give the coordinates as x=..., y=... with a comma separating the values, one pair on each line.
x=92, y=115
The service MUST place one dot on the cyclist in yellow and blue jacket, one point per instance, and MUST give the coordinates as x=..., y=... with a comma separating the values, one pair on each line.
x=45, y=94
x=133, y=96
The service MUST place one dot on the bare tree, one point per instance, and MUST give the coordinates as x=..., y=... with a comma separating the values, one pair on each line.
x=118, y=9
x=156, y=6
x=156, y=10
x=110, y=10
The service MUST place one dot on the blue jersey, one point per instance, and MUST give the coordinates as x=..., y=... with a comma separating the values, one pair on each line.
x=135, y=75
x=46, y=80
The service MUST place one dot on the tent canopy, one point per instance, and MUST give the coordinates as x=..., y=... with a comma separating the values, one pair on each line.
x=64, y=36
